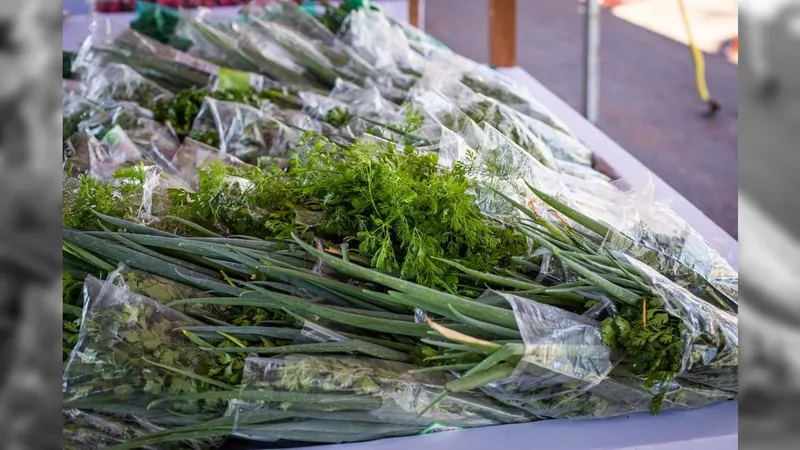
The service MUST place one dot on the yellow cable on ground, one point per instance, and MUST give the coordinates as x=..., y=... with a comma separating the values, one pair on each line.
x=699, y=64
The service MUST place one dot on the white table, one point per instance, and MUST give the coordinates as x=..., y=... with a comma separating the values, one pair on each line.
x=712, y=428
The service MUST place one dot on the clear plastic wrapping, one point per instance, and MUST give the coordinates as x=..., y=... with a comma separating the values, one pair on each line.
x=394, y=59
x=75, y=108
x=84, y=154
x=567, y=370
x=500, y=165
x=365, y=101
x=482, y=109
x=120, y=83
x=655, y=234
x=312, y=44
x=125, y=115
x=243, y=132
x=325, y=108
x=493, y=84
x=348, y=399
x=165, y=65
x=129, y=353
x=371, y=112
x=231, y=127
x=211, y=40
x=548, y=144
x=85, y=430
x=193, y=156
x=311, y=56
x=564, y=356
x=565, y=147
x=437, y=108
x=165, y=291
x=710, y=335
x=100, y=158
x=270, y=58
x=132, y=135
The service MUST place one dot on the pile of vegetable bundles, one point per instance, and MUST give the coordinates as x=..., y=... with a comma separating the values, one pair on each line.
x=295, y=229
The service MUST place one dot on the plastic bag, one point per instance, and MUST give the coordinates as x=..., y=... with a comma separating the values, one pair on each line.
x=131, y=135
x=395, y=58
x=305, y=52
x=120, y=83
x=493, y=84
x=165, y=291
x=710, y=335
x=632, y=217
x=482, y=109
x=71, y=87
x=311, y=43
x=130, y=353
x=500, y=165
x=75, y=108
x=302, y=123
x=294, y=16
x=243, y=132
x=565, y=147
x=125, y=115
x=246, y=57
x=231, y=127
x=87, y=155
x=544, y=142
x=364, y=27
x=212, y=40
x=582, y=171
x=437, y=108
x=373, y=114
x=84, y=430
x=193, y=156
x=269, y=58
x=156, y=21
x=564, y=356
x=365, y=101
x=325, y=108
x=568, y=372
x=658, y=236
x=165, y=65
x=350, y=399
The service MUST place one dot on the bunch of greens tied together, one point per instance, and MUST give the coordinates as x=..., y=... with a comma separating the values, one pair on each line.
x=328, y=261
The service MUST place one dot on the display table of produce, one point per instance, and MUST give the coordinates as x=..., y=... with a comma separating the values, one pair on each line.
x=284, y=229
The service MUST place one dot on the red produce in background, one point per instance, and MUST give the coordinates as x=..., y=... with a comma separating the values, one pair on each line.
x=112, y=6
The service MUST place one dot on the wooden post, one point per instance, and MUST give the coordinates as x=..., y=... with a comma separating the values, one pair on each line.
x=413, y=12
x=503, y=33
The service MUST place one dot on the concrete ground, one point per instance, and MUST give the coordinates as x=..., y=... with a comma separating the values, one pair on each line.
x=648, y=99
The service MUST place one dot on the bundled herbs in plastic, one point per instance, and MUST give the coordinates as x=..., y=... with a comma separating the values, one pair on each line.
x=547, y=144
x=129, y=353
x=495, y=85
x=390, y=398
x=121, y=83
x=165, y=65
x=242, y=131
x=396, y=59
